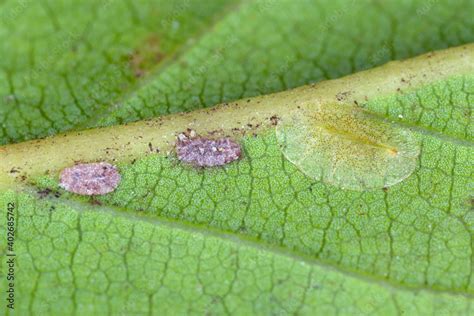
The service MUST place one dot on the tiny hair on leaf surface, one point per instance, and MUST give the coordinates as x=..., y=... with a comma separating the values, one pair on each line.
x=337, y=183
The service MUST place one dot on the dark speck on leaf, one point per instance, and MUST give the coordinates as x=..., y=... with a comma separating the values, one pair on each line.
x=274, y=120
x=95, y=202
x=44, y=193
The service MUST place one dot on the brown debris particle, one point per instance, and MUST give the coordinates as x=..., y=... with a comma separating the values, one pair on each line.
x=274, y=120
x=342, y=95
x=44, y=193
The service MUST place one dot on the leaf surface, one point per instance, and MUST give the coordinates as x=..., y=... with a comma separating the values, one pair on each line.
x=261, y=235
x=80, y=64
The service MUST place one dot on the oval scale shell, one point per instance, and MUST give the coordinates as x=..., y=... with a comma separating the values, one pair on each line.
x=204, y=152
x=90, y=179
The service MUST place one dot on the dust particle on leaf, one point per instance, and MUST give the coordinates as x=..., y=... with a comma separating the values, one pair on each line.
x=204, y=152
x=274, y=120
x=90, y=179
x=44, y=193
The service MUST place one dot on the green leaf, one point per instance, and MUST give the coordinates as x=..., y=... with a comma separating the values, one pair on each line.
x=75, y=64
x=256, y=236
x=265, y=234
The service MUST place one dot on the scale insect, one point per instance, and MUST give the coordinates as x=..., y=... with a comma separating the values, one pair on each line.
x=205, y=152
x=90, y=179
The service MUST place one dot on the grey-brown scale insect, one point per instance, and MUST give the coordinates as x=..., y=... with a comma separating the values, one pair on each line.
x=90, y=179
x=205, y=152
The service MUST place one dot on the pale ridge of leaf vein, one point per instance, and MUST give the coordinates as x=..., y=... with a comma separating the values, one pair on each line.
x=252, y=243
x=424, y=130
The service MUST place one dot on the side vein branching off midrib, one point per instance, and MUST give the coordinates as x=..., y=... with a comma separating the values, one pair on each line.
x=248, y=241
x=424, y=130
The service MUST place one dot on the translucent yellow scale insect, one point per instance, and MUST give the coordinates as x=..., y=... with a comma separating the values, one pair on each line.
x=344, y=146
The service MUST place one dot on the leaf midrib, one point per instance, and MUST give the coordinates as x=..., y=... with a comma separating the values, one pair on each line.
x=131, y=141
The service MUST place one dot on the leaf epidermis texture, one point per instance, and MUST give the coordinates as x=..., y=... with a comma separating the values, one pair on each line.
x=257, y=236
x=413, y=236
x=193, y=54
x=137, y=265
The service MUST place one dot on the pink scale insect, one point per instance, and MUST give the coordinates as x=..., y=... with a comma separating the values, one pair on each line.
x=90, y=178
x=204, y=152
